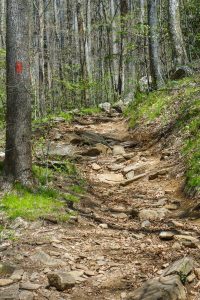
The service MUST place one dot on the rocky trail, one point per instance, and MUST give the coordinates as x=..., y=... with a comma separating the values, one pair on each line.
x=128, y=229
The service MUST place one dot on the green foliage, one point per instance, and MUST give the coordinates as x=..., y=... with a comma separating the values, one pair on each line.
x=191, y=148
x=71, y=198
x=191, y=28
x=192, y=153
x=66, y=167
x=42, y=174
x=147, y=107
x=68, y=116
x=183, y=278
x=90, y=111
x=78, y=189
x=46, y=174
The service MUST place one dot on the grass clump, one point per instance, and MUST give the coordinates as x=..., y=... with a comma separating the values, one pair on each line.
x=66, y=167
x=71, y=198
x=90, y=111
x=32, y=205
x=189, y=121
x=191, y=149
x=147, y=107
x=68, y=116
x=78, y=189
x=44, y=200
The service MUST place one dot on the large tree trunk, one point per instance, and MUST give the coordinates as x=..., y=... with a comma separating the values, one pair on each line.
x=114, y=44
x=123, y=14
x=18, y=120
x=82, y=52
x=155, y=65
x=2, y=19
x=179, y=51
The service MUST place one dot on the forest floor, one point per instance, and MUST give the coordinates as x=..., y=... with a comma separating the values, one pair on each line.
x=113, y=245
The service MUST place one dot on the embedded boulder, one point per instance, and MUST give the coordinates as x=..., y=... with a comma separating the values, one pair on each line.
x=181, y=72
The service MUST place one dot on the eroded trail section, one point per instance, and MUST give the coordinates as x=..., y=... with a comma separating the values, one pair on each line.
x=128, y=228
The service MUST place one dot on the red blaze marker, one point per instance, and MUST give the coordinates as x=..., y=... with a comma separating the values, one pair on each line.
x=19, y=67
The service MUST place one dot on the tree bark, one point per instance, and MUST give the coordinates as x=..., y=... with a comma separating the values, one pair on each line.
x=179, y=51
x=18, y=120
x=115, y=49
x=123, y=13
x=2, y=17
x=155, y=65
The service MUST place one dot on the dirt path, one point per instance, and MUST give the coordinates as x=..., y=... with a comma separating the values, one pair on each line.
x=114, y=245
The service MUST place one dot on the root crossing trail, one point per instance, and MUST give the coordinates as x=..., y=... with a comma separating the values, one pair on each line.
x=114, y=245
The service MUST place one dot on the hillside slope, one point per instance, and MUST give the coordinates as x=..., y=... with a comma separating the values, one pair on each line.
x=171, y=116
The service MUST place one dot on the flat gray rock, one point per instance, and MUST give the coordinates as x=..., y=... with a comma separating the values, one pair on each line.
x=29, y=286
x=57, y=149
x=5, y=281
x=110, y=178
x=26, y=295
x=153, y=214
x=10, y=293
x=45, y=259
x=17, y=275
x=182, y=266
x=134, y=167
x=105, y=106
x=118, y=150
